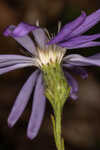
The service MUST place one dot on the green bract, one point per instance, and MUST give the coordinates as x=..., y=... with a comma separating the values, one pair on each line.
x=57, y=91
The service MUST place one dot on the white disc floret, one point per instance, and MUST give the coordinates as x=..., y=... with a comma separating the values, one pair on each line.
x=49, y=54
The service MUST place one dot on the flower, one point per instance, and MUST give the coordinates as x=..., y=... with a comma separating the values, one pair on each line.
x=48, y=51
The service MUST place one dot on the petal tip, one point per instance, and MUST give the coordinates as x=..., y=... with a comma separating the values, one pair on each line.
x=31, y=135
x=10, y=125
x=74, y=96
x=11, y=122
x=5, y=33
x=83, y=13
x=8, y=30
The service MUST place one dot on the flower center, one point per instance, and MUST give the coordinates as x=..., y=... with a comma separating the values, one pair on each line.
x=49, y=55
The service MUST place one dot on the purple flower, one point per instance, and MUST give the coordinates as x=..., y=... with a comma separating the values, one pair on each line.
x=45, y=52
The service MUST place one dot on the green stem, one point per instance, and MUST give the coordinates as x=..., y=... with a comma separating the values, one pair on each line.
x=58, y=128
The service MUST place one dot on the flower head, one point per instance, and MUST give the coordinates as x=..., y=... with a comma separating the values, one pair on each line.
x=45, y=53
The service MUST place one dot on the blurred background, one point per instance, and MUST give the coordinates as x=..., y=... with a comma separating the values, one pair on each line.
x=81, y=118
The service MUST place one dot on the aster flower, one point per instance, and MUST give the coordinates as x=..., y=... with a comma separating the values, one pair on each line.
x=51, y=78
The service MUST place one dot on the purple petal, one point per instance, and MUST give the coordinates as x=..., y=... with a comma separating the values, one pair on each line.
x=4, y=57
x=20, y=30
x=74, y=85
x=22, y=99
x=80, y=40
x=78, y=70
x=74, y=96
x=14, y=62
x=27, y=43
x=68, y=28
x=38, y=109
x=40, y=37
x=89, y=22
x=70, y=46
x=19, y=33
x=16, y=66
x=96, y=56
x=8, y=31
x=78, y=60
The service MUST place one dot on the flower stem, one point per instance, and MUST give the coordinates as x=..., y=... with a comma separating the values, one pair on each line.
x=58, y=128
x=56, y=121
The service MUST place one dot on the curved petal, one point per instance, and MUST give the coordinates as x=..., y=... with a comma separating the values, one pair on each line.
x=70, y=46
x=78, y=70
x=27, y=43
x=4, y=57
x=20, y=30
x=38, y=109
x=14, y=67
x=40, y=37
x=89, y=22
x=96, y=56
x=80, y=40
x=68, y=28
x=22, y=99
x=19, y=33
x=14, y=62
x=78, y=60
x=74, y=85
